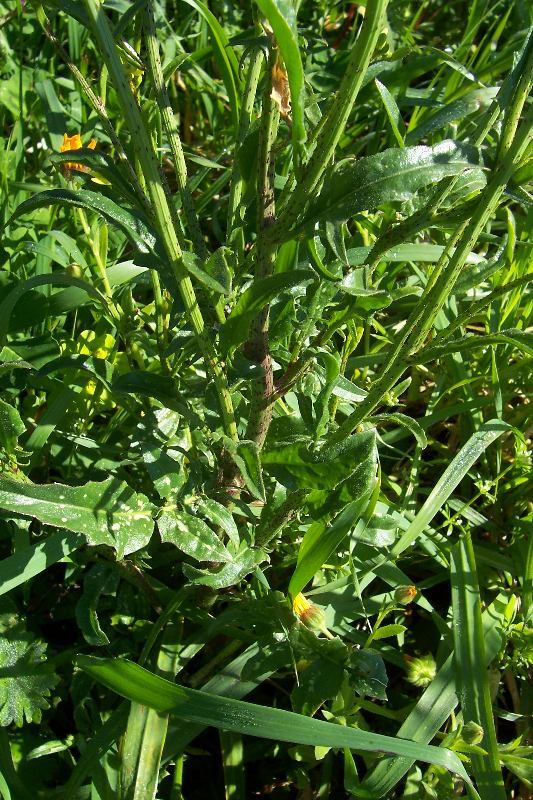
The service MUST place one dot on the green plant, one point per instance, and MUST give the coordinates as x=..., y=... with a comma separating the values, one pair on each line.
x=262, y=340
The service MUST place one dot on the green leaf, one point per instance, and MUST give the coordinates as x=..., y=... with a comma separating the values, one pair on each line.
x=101, y=578
x=107, y=513
x=25, y=680
x=227, y=63
x=219, y=516
x=393, y=112
x=31, y=561
x=236, y=328
x=11, y=427
x=321, y=539
x=246, y=456
x=229, y=574
x=192, y=536
x=407, y=422
x=281, y=15
x=451, y=477
x=102, y=165
x=355, y=185
x=368, y=675
x=9, y=302
x=469, y=654
x=137, y=684
x=388, y=630
x=131, y=223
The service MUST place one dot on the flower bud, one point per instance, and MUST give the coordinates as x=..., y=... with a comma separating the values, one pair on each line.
x=405, y=594
x=421, y=671
x=472, y=733
x=312, y=616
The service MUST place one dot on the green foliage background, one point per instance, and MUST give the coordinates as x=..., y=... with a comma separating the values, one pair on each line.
x=271, y=336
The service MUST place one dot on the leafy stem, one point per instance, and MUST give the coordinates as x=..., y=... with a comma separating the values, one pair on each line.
x=160, y=206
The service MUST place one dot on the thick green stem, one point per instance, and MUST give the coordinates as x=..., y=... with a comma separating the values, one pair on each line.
x=336, y=116
x=171, y=129
x=448, y=269
x=160, y=205
x=257, y=348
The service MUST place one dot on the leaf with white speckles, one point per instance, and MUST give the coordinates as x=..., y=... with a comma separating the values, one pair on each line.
x=108, y=512
x=192, y=536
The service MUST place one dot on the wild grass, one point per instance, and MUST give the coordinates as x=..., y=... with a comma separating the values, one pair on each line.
x=265, y=378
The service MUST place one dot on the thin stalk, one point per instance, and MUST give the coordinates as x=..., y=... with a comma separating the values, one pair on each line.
x=336, y=116
x=428, y=216
x=245, y=120
x=97, y=103
x=171, y=129
x=257, y=348
x=448, y=270
x=160, y=206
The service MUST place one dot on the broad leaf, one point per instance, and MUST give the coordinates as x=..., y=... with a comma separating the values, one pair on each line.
x=192, y=536
x=355, y=185
x=107, y=513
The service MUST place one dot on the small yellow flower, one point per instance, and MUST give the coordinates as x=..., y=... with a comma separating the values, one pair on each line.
x=74, y=143
x=311, y=615
x=301, y=605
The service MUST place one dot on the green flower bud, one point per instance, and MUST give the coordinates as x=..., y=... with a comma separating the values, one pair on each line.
x=421, y=671
x=472, y=733
x=405, y=594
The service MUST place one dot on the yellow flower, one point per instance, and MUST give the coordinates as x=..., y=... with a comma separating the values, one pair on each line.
x=74, y=143
x=301, y=605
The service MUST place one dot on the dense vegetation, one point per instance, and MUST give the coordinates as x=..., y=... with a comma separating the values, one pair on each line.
x=264, y=376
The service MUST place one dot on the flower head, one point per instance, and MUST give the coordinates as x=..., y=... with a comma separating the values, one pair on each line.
x=74, y=143
x=311, y=615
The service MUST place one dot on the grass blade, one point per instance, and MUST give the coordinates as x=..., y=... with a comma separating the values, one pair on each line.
x=449, y=480
x=136, y=683
x=469, y=654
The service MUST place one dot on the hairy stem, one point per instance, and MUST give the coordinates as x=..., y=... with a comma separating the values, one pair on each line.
x=160, y=206
x=171, y=129
x=257, y=348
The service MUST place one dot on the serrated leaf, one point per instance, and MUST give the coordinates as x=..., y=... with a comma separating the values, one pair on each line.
x=192, y=536
x=355, y=185
x=25, y=680
x=107, y=512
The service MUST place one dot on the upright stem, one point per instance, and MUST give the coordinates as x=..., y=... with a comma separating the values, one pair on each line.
x=336, y=116
x=246, y=117
x=449, y=269
x=172, y=132
x=257, y=348
x=160, y=206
